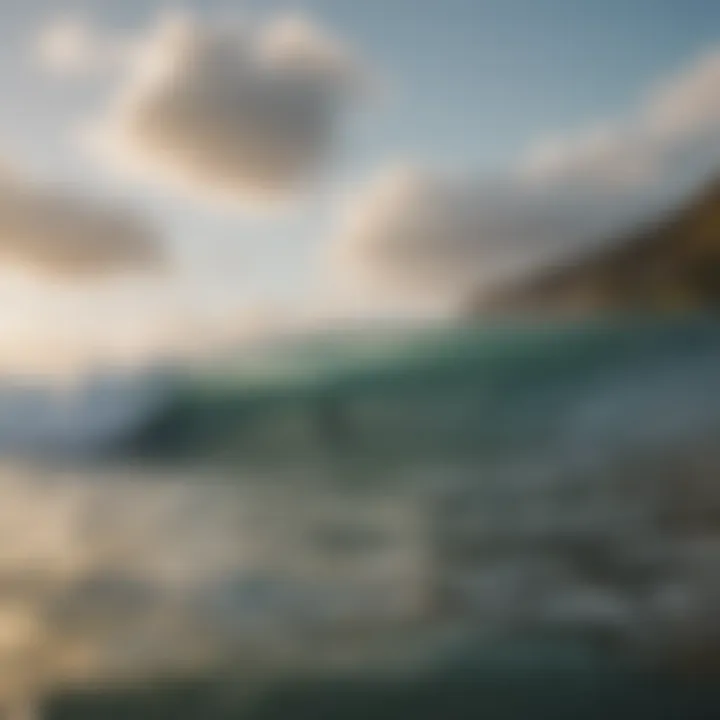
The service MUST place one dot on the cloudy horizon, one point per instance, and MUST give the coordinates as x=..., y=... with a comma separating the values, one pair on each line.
x=169, y=175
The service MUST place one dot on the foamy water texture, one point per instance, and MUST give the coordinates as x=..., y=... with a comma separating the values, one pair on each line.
x=379, y=511
x=129, y=576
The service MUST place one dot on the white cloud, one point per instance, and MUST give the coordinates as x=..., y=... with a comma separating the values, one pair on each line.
x=232, y=114
x=71, y=45
x=49, y=231
x=423, y=232
x=676, y=127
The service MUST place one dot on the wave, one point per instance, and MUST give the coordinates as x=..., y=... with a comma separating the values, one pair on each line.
x=504, y=483
x=89, y=416
x=602, y=388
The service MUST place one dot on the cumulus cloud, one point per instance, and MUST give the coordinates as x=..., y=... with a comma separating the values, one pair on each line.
x=50, y=231
x=413, y=229
x=233, y=114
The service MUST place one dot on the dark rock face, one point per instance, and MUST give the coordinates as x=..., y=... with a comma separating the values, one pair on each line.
x=672, y=266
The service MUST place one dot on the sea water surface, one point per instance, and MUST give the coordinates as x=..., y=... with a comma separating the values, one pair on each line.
x=493, y=506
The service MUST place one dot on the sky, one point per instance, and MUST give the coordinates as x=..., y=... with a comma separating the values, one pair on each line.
x=177, y=174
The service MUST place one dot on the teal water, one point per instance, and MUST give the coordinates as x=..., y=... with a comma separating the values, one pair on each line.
x=442, y=392
x=501, y=522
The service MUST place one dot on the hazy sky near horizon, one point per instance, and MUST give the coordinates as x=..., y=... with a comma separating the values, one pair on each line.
x=466, y=87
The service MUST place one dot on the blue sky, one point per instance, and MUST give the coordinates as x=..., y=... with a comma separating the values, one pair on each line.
x=481, y=79
x=472, y=80
x=469, y=85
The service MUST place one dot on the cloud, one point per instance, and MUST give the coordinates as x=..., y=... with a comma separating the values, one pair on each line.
x=411, y=230
x=72, y=46
x=239, y=115
x=676, y=129
x=46, y=230
x=419, y=231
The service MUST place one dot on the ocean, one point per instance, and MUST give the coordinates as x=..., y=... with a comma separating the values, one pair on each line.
x=478, y=519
